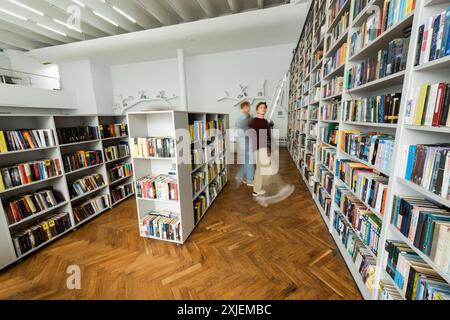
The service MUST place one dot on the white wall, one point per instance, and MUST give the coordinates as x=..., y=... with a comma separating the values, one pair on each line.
x=208, y=76
x=101, y=78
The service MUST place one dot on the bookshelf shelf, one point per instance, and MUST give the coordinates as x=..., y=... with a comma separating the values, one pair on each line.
x=334, y=46
x=78, y=143
x=28, y=185
x=81, y=196
x=424, y=192
x=428, y=128
x=337, y=71
x=161, y=239
x=339, y=14
x=83, y=169
x=91, y=217
x=317, y=66
x=365, y=13
x=345, y=154
x=372, y=124
x=434, y=65
x=336, y=96
x=38, y=215
x=391, y=80
x=115, y=182
x=117, y=160
x=429, y=3
x=27, y=150
x=382, y=40
x=115, y=138
x=122, y=200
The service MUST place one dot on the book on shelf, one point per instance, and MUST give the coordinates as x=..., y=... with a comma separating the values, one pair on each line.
x=323, y=198
x=31, y=204
x=200, y=205
x=334, y=9
x=313, y=128
x=198, y=157
x=327, y=156
x=426, y=225
x=161, y=224
x=336, y=60
x=389, y=13
x=28, y=172
x=91, y=207
x=114, y=130
x=153, y=147
x=376, y=109
x=411, y=274
x=325, y=178
x=77, y=134
x=330, y=111
x=387, y=291
x=332, y=87
x=428, y=166
x=86, y=185
x=121, y=192
x=338, y=30
x=161, y=187
x=388, y=61
x=40, y=232
x=17, y=140
x=329, y=133
x=120, y=171
x=214, y=190
x=211, y=129
x=81, y=159
x=429, y=105
x=119, y=151
x=376, y=149
x=212, y=172
x=433, y=38
x=199, y=179
x=357, y=251
x=362, y=220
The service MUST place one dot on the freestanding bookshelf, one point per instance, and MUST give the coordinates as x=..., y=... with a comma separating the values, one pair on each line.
x=59, y=183
x=326, y=51
x=209, y=139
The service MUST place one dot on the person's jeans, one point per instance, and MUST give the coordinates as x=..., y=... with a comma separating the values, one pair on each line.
x=247, y=169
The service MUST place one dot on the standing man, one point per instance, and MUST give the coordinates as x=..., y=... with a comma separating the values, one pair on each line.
x=247, y=169
x=262, y=145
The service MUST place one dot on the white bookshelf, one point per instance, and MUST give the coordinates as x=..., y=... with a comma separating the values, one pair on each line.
x=59, y=183
x=174, y=124
x=405, y=82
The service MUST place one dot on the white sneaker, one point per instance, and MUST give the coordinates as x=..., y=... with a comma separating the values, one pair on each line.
x=259, y=193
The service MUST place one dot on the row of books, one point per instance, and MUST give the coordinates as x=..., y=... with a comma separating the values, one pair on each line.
x=329, y=134
x=198, y=181
x=77, y=134
x=81, y=159
x=200, y=206
x=338, y=30
x=17, y=140
x=121, y=192
x=213, y=189
x=161, y=224
x=363, y=222
x=377, y=109
x=360, y=255
x=323, y=198
x=330, y=111
x=113, y=130
x=198, y=157
x=312, y=128
x=91, y=207
x=40, y=233
x=28, y=172
x=196, y=130
x=332, y=87
x=325, y=178
x=336, y=60
x=426, y=225
x=313, y=113
x=161, y=187
x=415, y=279
x=429, y=105
x=433, y=38
x=334, y=9
x=86, y=185
x=153, y=147
x=327, y=157
x=388, y=61
x=428, y=166
x=387, y=291
x=391, y=12
x=120, y=171
x=119, y=151
x=374, y=148
x=25, y=206
x=311, y=146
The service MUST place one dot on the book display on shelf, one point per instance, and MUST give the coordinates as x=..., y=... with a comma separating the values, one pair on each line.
x=50, y=167
x=153, y=147
x=396, y=73
x=113, y=130
x=194, y=182
x=119, y=172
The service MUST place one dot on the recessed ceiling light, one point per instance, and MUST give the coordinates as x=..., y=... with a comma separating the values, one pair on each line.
x=51, y=29
x=67, y=25
x=13, y=14
x=105, y=18
x=26, y=7
x=124, y=14
x=81, y=4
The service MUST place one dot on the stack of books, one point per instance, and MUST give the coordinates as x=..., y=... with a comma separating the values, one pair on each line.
x=81, y=159
x=162, y=187
x=28, y=172
x=153, y=147
x=161, y=224
x=17, y=140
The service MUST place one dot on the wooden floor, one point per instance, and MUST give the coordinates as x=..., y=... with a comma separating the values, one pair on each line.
x=239, y=251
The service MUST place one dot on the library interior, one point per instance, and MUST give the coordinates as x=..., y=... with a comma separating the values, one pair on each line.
x=319, y=170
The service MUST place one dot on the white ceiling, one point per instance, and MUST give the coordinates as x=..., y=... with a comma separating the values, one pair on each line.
x=31, y=24
x=253, y=29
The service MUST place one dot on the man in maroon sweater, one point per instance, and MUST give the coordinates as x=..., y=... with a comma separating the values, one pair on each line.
x=261, y=145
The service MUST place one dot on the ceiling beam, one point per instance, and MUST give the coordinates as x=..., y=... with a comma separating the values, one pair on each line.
x=233, y=4
x=164, y=16
x=29, y=34
x=134, y=9
x=18, y=41
x=180, y=7
x=260, y=4
x=207, y=8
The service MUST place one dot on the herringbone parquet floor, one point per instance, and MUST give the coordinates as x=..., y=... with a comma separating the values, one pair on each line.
x=239, y=251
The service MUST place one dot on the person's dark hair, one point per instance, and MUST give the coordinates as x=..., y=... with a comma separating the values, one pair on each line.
x=245, y=104
x=260, y=104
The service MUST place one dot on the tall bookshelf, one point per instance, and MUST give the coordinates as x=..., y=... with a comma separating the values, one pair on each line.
x=316, y=156
x=60, y=183
x=212, y=146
